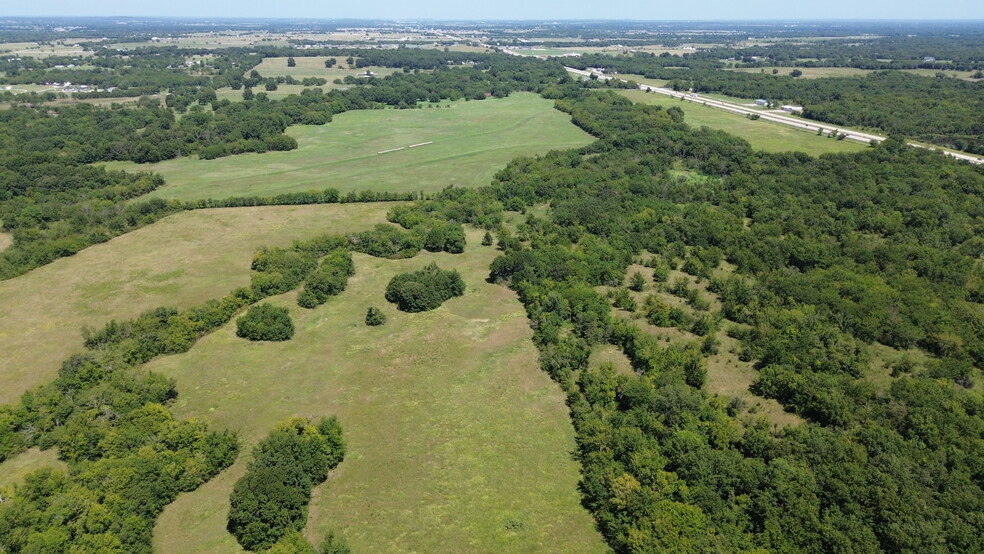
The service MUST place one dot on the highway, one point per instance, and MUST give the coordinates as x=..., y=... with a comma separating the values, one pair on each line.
x=799, y=123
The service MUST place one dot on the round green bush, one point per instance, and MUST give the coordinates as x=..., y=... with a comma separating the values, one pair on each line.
x=425, y=289
x=265, y=322
x=375, y=316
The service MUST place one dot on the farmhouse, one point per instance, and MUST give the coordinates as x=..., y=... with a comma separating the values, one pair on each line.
x=761, y=102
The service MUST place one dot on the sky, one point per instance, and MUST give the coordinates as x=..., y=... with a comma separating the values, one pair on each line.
x=510, y=9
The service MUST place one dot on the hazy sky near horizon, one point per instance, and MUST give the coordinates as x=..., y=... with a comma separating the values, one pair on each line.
x=509, y=9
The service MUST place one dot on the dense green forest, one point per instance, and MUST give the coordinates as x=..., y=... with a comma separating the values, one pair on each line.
x=831, y=255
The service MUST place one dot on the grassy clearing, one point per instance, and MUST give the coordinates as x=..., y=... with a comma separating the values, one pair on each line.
x=315, y=67
x=607, y=353
x=182, y=260
x=13, y=470
x=727, y=375
x=456, y=440
x=283, y=91
x=809, y=72
x=470, y=142
x=884, y=357
x=6, y=240
x=761, y=134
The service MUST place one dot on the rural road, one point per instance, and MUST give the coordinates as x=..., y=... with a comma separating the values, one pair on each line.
x=799, y=123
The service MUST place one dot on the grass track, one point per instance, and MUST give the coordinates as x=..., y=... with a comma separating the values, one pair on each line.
x=761, y=134
x=458, y=442
x=471, y=141
x=181, y=260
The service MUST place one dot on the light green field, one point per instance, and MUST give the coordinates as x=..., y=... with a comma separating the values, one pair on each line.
x=820, y=72
x=315, y=67
x=36, y=50
x=457, y=441
x=283, y=91
x=761, y=134
x=5, y=240
x=211, y=41
x=182, y=260
x=470, y=142
x=808, y=72
x=13, y=470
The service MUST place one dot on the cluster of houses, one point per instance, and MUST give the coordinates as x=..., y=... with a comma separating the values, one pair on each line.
x=69, y=87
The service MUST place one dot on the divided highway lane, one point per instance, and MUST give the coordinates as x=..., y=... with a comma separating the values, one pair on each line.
x=806, y=125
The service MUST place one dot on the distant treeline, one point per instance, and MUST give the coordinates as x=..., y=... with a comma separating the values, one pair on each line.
x=944, y=111
x=55, y=204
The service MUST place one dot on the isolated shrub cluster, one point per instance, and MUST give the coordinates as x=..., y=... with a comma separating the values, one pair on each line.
x=329, y=279
x=265, y=322
x=425, y=289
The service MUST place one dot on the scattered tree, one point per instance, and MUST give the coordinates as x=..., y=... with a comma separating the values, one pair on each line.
x=375, y=316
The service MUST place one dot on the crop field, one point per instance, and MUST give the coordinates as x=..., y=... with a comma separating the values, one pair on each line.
x=761, y=134
x=470, y=141
x=180, y=261
x=457, y=441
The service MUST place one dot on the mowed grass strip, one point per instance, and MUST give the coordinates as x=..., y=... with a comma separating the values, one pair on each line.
x=470, y=142
x=457, y=441
x=182, y=260
x=761, y=134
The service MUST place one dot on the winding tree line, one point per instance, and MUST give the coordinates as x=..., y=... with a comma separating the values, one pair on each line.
x=128, y=457
x=270, y=500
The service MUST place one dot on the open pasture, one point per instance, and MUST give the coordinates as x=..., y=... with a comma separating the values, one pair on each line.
x=470, y=142
x=182, y=260
x=315, y=67
x=457, y=441
x=761, y=134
